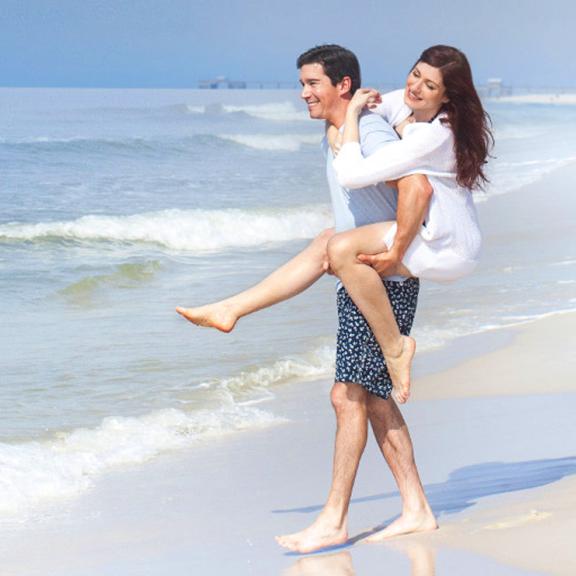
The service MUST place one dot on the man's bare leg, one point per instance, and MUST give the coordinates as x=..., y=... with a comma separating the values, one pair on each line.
x=395, y=443
x=331, y=526
x=367, y=290
x=287, y=281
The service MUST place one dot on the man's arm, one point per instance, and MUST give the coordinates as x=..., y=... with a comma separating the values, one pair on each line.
x=414, y=194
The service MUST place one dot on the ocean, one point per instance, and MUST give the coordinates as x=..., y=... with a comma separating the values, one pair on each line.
x=119, y=205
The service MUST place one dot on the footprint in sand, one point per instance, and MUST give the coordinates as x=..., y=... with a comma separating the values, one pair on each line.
x=514, y=522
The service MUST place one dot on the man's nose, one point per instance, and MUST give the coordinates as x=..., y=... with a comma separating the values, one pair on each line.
x=305, y=92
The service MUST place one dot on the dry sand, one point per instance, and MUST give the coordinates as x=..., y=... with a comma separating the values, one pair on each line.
x=540, y=360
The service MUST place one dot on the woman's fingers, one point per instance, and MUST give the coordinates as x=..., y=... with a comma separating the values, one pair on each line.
x=366, y=97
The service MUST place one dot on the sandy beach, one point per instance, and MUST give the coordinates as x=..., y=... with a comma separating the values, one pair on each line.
x=496, y=473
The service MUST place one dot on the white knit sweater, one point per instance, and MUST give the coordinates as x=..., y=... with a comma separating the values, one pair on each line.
x=451, y=236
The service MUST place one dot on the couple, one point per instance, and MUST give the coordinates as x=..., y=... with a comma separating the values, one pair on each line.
x=403, y=210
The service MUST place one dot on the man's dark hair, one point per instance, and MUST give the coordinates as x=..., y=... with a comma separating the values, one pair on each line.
x=337, y=62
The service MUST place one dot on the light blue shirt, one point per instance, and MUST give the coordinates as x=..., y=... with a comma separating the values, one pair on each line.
x=376, y=203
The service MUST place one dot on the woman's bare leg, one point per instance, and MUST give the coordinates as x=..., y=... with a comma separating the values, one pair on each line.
x=287, y=281
x=366, y=289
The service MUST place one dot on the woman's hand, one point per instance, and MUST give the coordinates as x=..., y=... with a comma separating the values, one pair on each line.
x=334, y=138
x=363, y=98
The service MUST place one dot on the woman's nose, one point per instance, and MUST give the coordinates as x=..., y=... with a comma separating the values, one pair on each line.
x=416, y=86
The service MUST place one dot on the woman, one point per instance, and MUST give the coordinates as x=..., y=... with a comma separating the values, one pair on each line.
x=445, y=136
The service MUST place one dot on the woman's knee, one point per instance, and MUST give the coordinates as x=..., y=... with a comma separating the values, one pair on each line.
x=341, y=251
x=318, y=248
x=321, y=241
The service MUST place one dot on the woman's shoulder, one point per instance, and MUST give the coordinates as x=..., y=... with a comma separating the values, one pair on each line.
x=392, y=107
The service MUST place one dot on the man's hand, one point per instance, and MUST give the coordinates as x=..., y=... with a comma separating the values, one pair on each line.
x=385, y=263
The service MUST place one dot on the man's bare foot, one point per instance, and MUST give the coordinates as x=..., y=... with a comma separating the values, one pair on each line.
x=218, y=315
x=406, y=524
x=399, y=369
x=321, y=534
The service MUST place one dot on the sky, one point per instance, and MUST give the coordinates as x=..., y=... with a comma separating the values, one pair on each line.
x=176, y=43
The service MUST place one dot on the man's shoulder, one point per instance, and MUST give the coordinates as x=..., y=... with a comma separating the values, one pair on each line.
x=374, y=132
x=370, y=119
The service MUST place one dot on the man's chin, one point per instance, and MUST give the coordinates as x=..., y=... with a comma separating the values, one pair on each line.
x=315, y=115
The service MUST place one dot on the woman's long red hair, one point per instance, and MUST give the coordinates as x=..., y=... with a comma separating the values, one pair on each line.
x=465, y=115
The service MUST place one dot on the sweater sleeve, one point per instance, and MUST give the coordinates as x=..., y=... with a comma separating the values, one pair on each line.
x=426, y=150
x=392, y=107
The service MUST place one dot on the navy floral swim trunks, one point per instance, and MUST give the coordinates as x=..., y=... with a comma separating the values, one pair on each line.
x=358, y=356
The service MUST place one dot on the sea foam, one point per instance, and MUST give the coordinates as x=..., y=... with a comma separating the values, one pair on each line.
x=273, y=142
x=34, y=473
x=274, y=111
x=511, y=176
x=190, y=230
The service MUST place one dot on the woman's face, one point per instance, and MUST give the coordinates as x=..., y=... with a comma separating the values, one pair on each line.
x=425, y=91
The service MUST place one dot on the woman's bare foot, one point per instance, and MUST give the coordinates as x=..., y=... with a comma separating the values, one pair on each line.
x=408, y=523
x=399, y=369
x=219, y=315
x=321, y=534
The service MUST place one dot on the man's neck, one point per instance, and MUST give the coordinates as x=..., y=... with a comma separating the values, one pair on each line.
x=338, y=116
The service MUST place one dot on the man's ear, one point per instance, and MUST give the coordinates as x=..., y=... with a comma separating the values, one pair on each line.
x=345, y=85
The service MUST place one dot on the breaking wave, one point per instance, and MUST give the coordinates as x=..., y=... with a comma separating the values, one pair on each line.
x=190, y=230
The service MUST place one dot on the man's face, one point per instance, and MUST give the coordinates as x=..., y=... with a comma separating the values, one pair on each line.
x=320, y=95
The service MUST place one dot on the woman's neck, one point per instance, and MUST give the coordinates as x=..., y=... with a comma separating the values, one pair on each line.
x=425, y=115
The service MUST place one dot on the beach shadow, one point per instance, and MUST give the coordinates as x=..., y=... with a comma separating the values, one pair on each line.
x=467, y=485
x=421, y=555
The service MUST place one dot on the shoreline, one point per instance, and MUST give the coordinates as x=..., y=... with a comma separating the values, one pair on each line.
x=560, y=98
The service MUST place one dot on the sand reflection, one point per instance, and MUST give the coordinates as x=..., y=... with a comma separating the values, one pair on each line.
x=337, y=564
x=421, y=554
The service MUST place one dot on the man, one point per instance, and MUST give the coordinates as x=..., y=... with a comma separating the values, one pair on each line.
x=329, y=76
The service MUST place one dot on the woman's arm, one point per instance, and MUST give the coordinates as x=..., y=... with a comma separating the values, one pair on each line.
x=392, y=107
x=427, y=149
x=362, y=98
